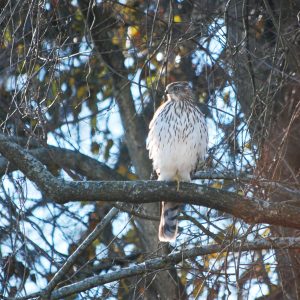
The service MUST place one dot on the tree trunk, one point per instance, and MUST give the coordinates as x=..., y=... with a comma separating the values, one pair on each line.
x=161, y=285
x=266, y=56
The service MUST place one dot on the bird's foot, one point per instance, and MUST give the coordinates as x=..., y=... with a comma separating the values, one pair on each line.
x=178, y=184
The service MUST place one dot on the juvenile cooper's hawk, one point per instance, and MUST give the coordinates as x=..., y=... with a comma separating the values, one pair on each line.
x=177, y=141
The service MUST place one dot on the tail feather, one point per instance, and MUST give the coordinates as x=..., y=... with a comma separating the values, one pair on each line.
x=168, y=222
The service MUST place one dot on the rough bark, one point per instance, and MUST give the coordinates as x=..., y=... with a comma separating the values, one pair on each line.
x=266, y=67
x=250, y=210
x=54, y=158
x=166, y=262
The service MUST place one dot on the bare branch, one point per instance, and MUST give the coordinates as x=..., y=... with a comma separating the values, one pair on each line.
x=211, y=174
x=81, y=248
x=167, y=262
x=52, y=156
x=29, y=165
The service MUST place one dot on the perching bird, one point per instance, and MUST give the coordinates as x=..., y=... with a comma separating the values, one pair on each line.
x=177, y=142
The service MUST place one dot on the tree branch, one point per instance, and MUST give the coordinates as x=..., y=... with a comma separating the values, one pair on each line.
x=29, y=165
x=112, y=56
x=167, y=262
x=52, y=156
x=81, y=248
x=211, y=174
x=250, y=210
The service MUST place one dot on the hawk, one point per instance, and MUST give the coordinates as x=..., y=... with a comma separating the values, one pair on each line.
x=177, y=142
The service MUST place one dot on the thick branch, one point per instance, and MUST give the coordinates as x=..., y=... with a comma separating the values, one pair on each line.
x=167, y=262
x=250, y=210
x=74, y=160
x=29, y=165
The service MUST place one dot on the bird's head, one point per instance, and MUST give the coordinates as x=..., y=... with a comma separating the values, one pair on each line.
x=179, y=91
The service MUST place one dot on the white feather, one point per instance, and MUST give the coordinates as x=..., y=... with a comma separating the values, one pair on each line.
x=177, y=140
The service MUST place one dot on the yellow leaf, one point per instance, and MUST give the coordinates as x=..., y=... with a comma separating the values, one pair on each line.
x=232, y=229
x=177, y=19
x=72, y=81
x=198, y=287
x=259, y=26
x=206, y=262
x=37, y=68
x=150, y=80
x=78, y=15
x=133, y=31
x=21, y=67
x=132, y=176
x=266, y=232
x=248, y=146
x=20, y=49
x=7, y=37
x=202, y=97
x=91, y=250
x=122, y=170
x=226, y=97
x=95, y=148
x=33, y=122
x=216, y=255
x=241, y=193
x=96, y=242
x=115, y=40
x=217, y=185
x=124, y=285
x=109, y=144
x=81, y=92
x=94, y=122
x=183, y=277
x=213, y=255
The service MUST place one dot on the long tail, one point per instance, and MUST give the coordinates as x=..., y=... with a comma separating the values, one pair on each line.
x=168, y=222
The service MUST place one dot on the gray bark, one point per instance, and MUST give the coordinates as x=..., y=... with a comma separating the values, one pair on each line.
x=250, y=210
x=168, y=261
x=266, y=71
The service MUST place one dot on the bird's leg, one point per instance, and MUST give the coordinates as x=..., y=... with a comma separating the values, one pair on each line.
x=177, y=181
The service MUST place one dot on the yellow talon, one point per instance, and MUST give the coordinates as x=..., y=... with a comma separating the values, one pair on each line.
x=177, y=181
